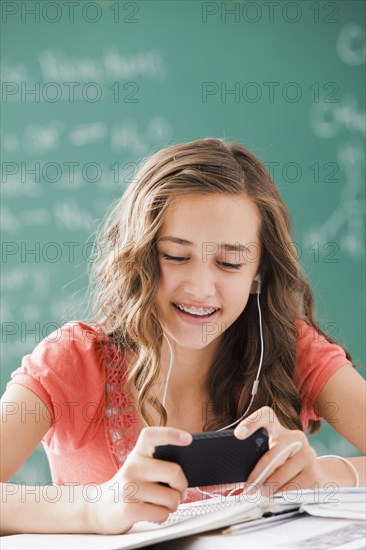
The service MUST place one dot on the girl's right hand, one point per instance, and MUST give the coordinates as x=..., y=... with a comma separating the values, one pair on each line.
x=134, y=493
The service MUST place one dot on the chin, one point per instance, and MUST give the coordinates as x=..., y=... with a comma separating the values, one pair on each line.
x=195, y=343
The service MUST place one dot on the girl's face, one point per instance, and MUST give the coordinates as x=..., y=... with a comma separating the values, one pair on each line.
x=209, y=254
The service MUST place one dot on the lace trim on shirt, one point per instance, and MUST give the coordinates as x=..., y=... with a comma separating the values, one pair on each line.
x=122, y=421
x=123, y=425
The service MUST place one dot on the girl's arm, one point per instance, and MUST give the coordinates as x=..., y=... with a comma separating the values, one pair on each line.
x=109, y=508
x=25, y=419
x=43, y=509
x=342, y=403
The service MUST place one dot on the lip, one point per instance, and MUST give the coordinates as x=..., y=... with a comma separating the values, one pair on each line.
x=187, y=318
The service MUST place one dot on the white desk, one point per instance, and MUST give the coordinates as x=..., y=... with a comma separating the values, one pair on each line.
x=307, y=533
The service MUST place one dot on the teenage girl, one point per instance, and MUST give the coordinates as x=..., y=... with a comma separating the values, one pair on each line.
x=202, y=319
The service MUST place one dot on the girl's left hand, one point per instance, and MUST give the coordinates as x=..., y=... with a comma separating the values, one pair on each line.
x=292, y=471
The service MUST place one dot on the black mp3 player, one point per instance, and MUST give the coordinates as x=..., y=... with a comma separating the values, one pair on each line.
x=216, y=457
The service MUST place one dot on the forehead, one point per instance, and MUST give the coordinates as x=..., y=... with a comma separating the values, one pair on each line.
x=212, y=218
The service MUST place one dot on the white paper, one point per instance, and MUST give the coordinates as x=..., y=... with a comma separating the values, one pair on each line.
x=144, y=533
x=306, y=533
x=350, y=510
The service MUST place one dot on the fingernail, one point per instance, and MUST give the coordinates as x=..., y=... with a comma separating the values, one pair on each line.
x=184, y=496
x=185, y=438
x=242, y=431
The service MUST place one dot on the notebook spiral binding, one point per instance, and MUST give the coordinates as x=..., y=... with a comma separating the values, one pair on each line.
x=192, y=511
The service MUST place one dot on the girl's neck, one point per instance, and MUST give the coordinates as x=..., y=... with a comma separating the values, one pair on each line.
x=187, y=400
x=190, y=368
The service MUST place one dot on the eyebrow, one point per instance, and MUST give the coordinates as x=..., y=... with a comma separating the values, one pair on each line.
x=225, y=246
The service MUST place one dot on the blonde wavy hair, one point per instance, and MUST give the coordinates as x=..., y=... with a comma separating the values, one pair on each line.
x=125, y=278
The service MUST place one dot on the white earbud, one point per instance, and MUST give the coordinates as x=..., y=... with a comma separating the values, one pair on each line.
x=259, y=281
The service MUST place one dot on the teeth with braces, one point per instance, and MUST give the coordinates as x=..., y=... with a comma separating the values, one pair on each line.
x=193, y=311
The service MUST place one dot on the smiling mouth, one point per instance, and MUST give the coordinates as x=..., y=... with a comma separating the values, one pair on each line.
x=196, y=312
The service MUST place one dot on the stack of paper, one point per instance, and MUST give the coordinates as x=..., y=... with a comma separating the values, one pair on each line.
x=199, y=517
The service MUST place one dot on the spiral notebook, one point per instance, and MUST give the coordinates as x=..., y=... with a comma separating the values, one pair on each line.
x=194, y=518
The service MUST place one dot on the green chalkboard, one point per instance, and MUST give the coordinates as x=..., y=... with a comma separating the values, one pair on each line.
x=90, y=88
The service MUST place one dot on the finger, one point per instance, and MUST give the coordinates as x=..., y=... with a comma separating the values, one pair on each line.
x=149, y=512
x=159, y=495
x=151, y=437
x=264, y=417
x=283, y=476
x=154, y=470
x=279, y=454
x=299, y=483
x=297, y=473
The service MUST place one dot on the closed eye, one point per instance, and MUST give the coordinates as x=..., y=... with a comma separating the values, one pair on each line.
x=179, y=259
x=174, y=258
x=231, y=266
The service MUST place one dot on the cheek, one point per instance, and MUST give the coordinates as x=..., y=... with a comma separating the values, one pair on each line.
x=167, y=284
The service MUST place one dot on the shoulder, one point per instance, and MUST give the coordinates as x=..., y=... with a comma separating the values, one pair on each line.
x=67, y=371
x=314, y=350
x=71, y=351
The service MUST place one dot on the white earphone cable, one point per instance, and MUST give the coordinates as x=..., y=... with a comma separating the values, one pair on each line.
x=256, y=381
x=254, y=391
x=169, y=370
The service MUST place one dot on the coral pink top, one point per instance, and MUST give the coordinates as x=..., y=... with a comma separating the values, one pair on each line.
x=80, y=376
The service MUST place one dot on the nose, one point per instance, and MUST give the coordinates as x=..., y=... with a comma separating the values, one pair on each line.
x=200, y=283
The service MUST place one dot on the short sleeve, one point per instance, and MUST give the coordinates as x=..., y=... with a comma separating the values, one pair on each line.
x=316, y=360
x=66, y=371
